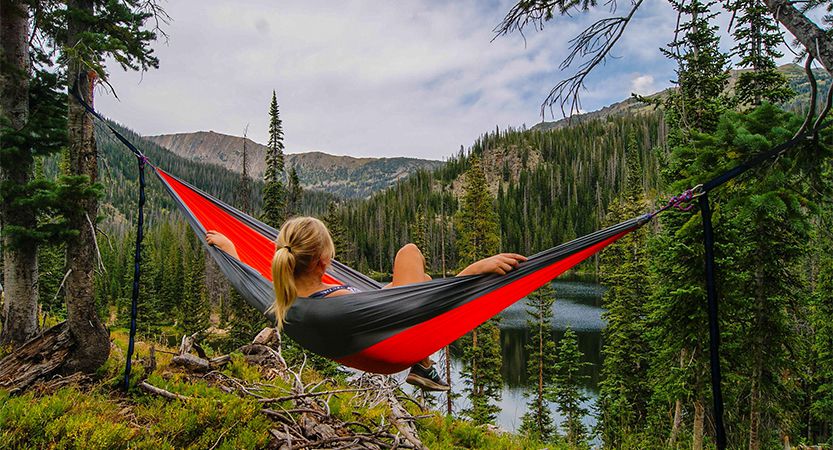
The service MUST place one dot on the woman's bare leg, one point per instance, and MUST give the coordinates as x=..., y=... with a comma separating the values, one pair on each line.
x=409, y=268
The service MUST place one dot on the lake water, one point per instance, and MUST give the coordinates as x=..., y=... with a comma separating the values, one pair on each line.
x=577, y=305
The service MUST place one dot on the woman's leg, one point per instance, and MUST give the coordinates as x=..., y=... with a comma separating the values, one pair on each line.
x=408, y=267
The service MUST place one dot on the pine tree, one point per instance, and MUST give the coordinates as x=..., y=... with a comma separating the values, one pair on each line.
x=477, y=225
x=419, y=234
x=245, y=321
x=244, y=186
x=679, y=372
x=32, y=124
x=567, y=391
x=345, y=248
x=478, y=237
x=193, y=310
x=820, y=356
x=624, y=391
x=482, y=360
x=757, y=38
x=295, y=194
x=274, y=193
x=767, y=235
x=541, y=362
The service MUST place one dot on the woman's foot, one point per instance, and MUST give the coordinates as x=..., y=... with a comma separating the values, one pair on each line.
x=426, y=378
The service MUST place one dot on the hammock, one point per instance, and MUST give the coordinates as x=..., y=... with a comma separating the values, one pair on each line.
x=376, y=330
x=389, y=330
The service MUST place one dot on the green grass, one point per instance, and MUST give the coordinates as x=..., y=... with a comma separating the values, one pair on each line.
x=101, y=416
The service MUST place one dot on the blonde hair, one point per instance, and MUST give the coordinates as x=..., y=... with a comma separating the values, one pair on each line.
x=301, y=243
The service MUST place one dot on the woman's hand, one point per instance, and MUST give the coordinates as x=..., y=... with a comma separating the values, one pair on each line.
x=220, y=241
x=500, y=264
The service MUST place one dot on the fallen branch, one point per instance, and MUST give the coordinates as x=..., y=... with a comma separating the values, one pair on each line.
x=151, y=389
x=310, y=394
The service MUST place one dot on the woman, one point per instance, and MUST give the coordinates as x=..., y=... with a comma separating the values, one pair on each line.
x=304, y=252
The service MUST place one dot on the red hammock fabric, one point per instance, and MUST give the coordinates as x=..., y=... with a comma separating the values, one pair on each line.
x=253, y=248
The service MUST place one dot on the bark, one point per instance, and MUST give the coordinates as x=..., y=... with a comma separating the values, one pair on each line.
x=808, y=33
x=541, y=374
x=699, y=421
x=93, y=344
x=36, y=359
x=757, y=369
x=20, y=263
x=678, y=410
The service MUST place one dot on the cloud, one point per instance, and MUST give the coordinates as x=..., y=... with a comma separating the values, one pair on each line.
x=643, y=85
x=364, y=78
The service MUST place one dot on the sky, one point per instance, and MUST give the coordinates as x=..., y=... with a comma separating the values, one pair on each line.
x=411, y=78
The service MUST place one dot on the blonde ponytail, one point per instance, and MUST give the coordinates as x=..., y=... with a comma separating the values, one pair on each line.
x=283, y=269
x=301, y=243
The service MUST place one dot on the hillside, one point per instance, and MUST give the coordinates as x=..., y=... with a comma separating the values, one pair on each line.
x=119, y=176
x=344, y=176
x=631, y=106
x=552, y=182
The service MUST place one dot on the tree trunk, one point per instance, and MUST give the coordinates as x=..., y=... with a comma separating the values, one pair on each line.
x=676, y=425
x=757, y=357
x=699, y=419
x=91, y=337
x=808, y=33
x=540, y=370
x=20, y=262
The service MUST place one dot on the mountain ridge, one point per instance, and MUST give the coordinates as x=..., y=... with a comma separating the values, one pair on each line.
x=346, y=176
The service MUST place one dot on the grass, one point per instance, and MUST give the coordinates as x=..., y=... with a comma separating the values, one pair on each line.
x=101, y=416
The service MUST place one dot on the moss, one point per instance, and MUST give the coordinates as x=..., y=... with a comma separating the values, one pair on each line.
x=444, y=432
x=101, y=416
x=68, y=418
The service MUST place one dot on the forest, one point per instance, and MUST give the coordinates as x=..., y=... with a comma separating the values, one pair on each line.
x=208, y=370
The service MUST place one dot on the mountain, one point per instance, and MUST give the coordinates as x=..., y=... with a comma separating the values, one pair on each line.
x=119, y=177
x=344, y=176
x=796, y=77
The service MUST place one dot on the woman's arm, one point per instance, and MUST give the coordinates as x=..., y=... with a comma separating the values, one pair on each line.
x=500, y=264
x=222, y=242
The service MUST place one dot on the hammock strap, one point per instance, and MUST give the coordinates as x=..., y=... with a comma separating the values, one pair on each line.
x=142, y=160
x=714, y=329
x=137, y=262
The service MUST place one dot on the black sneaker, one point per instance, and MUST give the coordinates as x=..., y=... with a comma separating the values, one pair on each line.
x=426, y=378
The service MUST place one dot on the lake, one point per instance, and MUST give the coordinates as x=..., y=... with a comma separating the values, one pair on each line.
x=577, y=305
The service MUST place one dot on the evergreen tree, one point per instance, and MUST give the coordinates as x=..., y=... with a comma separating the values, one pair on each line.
x=679, y=373
x=478, y=237
x=345, y=248
x=757, y=40
x=244, y=186
x=482, y=360
x=274, y=193
x=624, y=391
x=148, y=316
x=295, y=194
x=419, y=234
x=766, y=241
x=820, y=357
x=193, y=310
x=541, y=362
x=477, y=225
x=567, y=389
x=32, y=124
x=245, y=321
